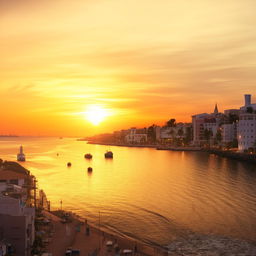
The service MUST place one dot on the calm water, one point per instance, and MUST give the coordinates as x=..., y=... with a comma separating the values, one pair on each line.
x=144, y=193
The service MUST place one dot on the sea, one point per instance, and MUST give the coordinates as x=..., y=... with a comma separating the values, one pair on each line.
x=149, y=195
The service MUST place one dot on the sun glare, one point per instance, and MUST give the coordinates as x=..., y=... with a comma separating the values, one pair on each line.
x=96, y=114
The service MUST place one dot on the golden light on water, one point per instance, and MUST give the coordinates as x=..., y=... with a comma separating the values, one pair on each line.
x=96, y=114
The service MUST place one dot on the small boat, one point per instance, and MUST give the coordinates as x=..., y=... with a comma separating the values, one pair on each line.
x=69, y=164
x=89, y=169
x=88, y=156
x=21, y=156
x=109, y=154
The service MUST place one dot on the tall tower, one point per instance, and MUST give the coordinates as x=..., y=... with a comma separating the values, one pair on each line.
x=216, y=111
x=247, y=100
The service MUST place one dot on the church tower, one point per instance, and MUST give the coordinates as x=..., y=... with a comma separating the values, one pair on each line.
x=216, y=111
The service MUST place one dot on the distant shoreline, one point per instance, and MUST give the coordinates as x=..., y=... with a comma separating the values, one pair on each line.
x=9, y=136
x=240, y=156
x=158, y=147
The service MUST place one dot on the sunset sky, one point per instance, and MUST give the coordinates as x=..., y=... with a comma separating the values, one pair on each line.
x=142, y=61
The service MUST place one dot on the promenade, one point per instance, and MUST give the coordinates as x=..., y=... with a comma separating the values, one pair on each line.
x=75, y=235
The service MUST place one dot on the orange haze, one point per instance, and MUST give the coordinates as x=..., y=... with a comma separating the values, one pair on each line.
x=144, y=61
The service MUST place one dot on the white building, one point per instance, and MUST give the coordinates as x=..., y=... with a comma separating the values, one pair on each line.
x=136, y=136
x=198, y=127
x=229, y=133
x=247, y=125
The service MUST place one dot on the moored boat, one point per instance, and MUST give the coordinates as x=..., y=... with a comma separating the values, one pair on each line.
x=88, y=156
x=109, y=154
x=21, y=156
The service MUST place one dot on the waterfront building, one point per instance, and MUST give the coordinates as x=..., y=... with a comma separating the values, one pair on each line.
x=198, y=122
x=247, y=125
x=211, y=125
x=178, y=132
x=16, y=181
x=12, y=177
x=136, y=136
x=229, y=112
x=206, y=122
x=229, y=133
x=17, y=224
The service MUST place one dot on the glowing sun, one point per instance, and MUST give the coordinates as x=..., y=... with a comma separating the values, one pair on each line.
x=96, y=114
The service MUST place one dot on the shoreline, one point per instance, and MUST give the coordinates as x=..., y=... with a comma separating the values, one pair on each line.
x=239, y=156
x=155, y=146
x=121, y=145
x=78, y=239
x=74, y=235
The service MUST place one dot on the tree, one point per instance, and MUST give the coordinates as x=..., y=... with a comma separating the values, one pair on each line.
x=232, y=118
x=171, y=123
x=218, y=136
x=188, y=135
x=207, y=135
x=235, y=143
x=151, y=133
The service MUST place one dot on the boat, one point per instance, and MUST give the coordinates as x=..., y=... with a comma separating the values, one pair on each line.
x=88, y=156
x=89, y=169
x=109, y=154
x=21, y=156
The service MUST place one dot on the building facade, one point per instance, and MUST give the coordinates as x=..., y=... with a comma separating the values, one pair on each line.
x=246, y=132
x=229, y=133
x=136, y=136
x=17, y=224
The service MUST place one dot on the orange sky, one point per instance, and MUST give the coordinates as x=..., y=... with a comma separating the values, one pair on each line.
x=144, y=61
